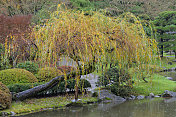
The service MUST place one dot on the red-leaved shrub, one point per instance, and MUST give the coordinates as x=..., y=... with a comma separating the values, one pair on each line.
x=15, y=35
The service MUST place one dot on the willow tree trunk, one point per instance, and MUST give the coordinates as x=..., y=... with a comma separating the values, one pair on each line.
x=31, y=92
x=76, y=87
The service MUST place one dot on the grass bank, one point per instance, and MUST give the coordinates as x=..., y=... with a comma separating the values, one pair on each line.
x=35, y=105
x=156, y=85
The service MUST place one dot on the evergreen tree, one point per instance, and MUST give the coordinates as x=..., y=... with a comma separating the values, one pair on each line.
x=165, y=25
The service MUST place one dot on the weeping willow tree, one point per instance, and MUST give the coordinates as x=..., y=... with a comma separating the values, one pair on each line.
x=92, y=41
x=96, y=37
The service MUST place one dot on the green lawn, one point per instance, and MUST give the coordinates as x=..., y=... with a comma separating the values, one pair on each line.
x=157, y=85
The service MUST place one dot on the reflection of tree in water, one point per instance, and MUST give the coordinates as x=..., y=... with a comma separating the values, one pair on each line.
x=149, y=109
x=138, y=108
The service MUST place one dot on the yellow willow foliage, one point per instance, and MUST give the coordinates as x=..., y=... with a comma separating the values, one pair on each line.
x=84, y=38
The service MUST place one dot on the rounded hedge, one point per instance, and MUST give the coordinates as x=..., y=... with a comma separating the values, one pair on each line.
x=48, y=73
x=12, y=76
x=5, y=97
x=29, y=66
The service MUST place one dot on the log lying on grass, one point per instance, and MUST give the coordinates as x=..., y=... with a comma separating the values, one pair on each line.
x=30, y=92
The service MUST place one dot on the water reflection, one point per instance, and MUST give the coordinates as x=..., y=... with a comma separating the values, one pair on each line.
x=138, y=108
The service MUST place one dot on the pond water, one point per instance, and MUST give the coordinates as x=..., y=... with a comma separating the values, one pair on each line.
x=158, y=107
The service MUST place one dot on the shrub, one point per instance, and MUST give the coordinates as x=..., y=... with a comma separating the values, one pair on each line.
x=124, y=91
x=83, y=83
x=29, y=66
x=5, y=97
x=48, y=73
x=66, y=69
x=11, y=76
x=15, y=36
x=17, y=25
x=117, y=80
x=113, y=75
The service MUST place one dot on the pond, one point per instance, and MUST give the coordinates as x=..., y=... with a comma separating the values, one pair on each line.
x=157, y=107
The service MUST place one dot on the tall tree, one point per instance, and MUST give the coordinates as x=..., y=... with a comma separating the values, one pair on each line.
x=165, y=25
x=91, y=41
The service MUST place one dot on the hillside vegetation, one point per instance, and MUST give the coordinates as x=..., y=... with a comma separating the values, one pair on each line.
x=113, y=7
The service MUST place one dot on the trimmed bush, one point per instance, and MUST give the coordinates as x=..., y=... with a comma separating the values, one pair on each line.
x=5, y=97
x=66, y=69
x=29, y=66
x=48, y=73
x=12, y=76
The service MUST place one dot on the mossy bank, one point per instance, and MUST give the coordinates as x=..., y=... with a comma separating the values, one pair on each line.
x=36, y=105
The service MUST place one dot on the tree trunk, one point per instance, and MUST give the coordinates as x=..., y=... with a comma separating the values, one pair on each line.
x=162, y=47
x=76, y=89
x=162, y=51
x=30, y=92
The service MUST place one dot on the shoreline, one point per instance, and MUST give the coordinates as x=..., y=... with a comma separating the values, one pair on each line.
x=34, y=105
